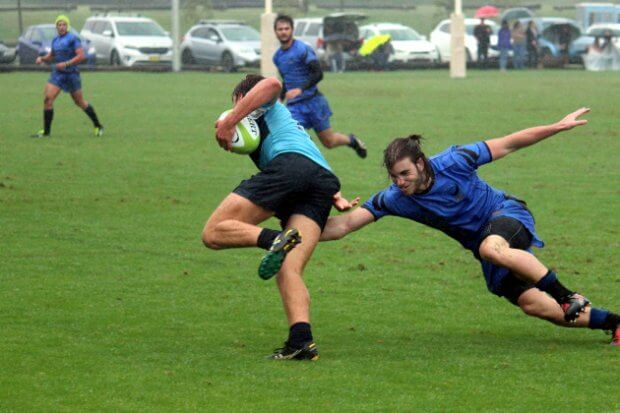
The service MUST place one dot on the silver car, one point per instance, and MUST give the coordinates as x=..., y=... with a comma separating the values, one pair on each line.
x=227, y=44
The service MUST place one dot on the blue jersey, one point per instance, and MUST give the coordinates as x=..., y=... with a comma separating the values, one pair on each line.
x=63, y=49
x=293, y=66
x=458, y=203
x=280, y=133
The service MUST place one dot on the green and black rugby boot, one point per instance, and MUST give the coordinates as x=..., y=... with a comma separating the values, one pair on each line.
x=308, y=351
x=282, y=245
x=40, y=134
x=98, y=131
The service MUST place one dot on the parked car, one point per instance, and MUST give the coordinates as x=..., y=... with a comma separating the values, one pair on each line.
x=549, y=29
x=37, y=41
x=600, y=29
x=440, y=37
x=228, y=44
x=128, y=41
x=337, y=26
x=409, y=47
x=7, y=55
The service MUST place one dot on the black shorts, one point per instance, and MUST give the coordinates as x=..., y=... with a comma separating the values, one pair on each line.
x=292, y=184
x=518, y=237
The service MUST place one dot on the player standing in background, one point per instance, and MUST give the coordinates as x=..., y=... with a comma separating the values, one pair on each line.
x=301, y=71
x=296, y=185
x=445, y=192
x=66, y=53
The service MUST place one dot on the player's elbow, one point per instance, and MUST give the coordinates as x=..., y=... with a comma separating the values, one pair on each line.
x=273, y=85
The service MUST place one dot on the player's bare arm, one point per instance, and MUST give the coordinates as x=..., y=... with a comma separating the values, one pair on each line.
x=501, y=147
x=265, y=91
x=339, y=226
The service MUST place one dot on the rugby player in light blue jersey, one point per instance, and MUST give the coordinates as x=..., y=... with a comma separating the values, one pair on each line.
x=445, y=192
x=66, y=53
x=296, y=185
x=301, y=72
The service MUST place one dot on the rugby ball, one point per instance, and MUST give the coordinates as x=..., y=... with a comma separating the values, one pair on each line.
x=246, y=137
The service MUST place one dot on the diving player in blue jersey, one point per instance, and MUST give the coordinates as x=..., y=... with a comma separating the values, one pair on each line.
x=66, y=53
x=301, y=72
x=296, y=185
x=445, y=192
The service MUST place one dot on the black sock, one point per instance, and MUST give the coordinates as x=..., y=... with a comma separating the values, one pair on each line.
x=299, y=334
x=48, y=115
x=266, y=237
x=90, y=111
x=550, y=284
x=611, y=322
x=352, y=141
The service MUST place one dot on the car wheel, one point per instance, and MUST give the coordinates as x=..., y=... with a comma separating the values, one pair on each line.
x=115, y=59
x=227, y=62
x=187, y=58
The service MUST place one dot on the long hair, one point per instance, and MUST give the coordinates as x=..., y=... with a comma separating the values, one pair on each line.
x=401, y=148
x=246, y=85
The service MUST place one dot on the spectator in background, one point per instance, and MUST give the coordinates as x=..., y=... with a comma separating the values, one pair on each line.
x=381, y=56
x=531, y=38
x=503, y=45
x=334, y=50
x=564, y=39
x=518, y=45
x=482, y=32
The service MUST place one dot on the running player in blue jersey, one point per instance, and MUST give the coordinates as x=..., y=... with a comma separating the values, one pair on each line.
x=301, y=72
x=66, y=53
x=445, y=192
x=296, y=185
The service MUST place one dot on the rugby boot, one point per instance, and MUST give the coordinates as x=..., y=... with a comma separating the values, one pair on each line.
x=358, y=146
x=98, y=131
x=40, y=134
x=308, y=351
x=282, y=245
x=572, y=305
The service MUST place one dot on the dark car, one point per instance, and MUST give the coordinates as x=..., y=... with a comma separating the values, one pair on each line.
x=37, y=41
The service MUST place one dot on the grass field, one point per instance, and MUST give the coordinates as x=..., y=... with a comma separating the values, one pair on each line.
x=109, y=301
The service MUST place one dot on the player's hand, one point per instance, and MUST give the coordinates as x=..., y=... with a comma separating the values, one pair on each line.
x=571, y=120
x=342, y=204
x=293, y=93
x=61, y=66
x=224, y=134
x=39, y=60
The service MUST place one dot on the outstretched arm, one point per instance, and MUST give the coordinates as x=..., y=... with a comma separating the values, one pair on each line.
x=339, y=226
x=501, y=147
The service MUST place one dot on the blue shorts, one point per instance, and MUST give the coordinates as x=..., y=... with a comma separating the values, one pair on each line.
x=312, y=113
x=69, y=82
x=497, y=278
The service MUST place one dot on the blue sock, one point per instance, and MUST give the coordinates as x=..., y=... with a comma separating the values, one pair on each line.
x=597, y=318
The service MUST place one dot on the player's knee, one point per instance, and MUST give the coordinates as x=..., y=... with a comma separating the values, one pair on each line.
x=492, y=251
x=47, y=101
x=209, y=239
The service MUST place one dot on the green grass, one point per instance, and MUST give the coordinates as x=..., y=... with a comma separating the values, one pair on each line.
x=109, y=302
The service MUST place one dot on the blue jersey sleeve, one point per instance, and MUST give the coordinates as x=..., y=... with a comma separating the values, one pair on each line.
x=310, y=55
x=77, y=43
x=377, y=205
x=471, y=156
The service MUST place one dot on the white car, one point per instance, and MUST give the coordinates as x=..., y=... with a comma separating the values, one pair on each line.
x=128, y=41
x=409, y=46
x=440, y=37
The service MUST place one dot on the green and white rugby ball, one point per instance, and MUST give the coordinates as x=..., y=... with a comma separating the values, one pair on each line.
x=246, y=137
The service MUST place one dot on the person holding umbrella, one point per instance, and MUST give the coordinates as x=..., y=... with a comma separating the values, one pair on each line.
x=482, y=32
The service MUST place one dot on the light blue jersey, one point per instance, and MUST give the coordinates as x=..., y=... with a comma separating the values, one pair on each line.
x=280, y=133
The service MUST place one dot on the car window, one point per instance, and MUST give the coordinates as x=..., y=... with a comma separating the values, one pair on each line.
x=97, y=27
x=47, y=33
x=88, y=25
x=28, y=33
x=299, y=28
x=213, y=35
x=106, y=26
x=313, y=29
x=445, y=28
x=139, y=29
x=402, y=34
x=240, y=34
